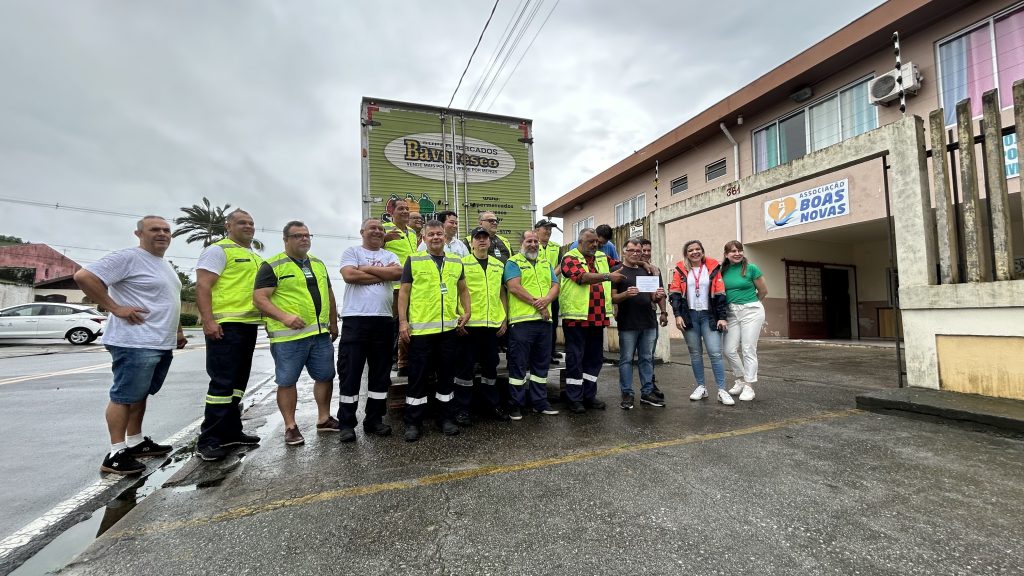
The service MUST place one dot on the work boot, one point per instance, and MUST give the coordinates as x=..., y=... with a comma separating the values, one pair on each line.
x=449, y=428
x=346, y=434
x=412, y=433
x=377, y=428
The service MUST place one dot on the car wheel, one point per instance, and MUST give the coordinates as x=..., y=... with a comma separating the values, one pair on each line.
x=79, y=336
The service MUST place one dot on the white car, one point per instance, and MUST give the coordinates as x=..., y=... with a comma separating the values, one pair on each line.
x=78, y=323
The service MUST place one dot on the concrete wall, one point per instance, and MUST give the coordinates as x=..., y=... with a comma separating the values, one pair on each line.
x=14, y=294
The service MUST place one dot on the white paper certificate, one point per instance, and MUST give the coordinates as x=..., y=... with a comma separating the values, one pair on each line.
x=647, y=283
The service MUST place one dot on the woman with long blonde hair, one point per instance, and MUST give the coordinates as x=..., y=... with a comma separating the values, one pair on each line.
x=745, y=288
x=697, y=295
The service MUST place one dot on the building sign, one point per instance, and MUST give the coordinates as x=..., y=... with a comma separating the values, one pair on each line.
x=1011, y=156
x=431, y=155
x=821, y=203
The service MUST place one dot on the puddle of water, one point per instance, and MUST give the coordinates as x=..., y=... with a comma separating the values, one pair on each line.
x=63, y=549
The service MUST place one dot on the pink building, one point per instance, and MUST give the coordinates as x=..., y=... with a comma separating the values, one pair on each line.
x=49, y=263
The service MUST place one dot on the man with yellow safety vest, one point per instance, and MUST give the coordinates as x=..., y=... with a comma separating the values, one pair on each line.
x=433, y=285
x=293, y=291
x=530, y=282
x=550, y=251
x=401, y=240
x=225, y=274
x=478, y=340
x=585, y=302
x=500, y=247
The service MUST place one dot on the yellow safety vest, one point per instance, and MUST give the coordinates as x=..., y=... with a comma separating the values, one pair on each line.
x=573, y=298
x=536, y=279
x=232, y=293
x=550, y=253
x=484, y=287
x=402, y=247
x=433, y=295
x=292, y=296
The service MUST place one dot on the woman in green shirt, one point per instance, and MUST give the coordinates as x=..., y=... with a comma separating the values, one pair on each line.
x=745, y=288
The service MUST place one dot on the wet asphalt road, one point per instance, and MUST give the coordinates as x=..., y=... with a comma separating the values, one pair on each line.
x=53, y=428
x=795, y=482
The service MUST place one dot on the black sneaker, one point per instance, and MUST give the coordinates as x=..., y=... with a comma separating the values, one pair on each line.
x=122, y=463
x=212, y=453
x=577, y=407
x=657, y=393
x=346, y=434
x=242, y=439
x=595, y=404
x=147, y=449
x=449, y=428
x=627, y=402
x=515, y=414
x=377, y=428
x=463, y=419
x=651, y=400
x=499, y=415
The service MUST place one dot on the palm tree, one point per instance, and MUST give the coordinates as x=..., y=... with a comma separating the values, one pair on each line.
x=205, y=224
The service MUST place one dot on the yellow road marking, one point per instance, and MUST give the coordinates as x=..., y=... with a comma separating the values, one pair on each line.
x=435, y=479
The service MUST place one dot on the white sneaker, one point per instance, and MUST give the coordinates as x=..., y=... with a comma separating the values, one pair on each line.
x=699, y=393
x=748, y=393
x=724, y=397
x=737, y=387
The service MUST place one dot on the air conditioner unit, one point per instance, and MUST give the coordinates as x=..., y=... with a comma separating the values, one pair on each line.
x=886, y=87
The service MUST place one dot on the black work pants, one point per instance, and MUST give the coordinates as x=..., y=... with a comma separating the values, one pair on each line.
x=584, y=355
x=228, y=363
x=364, y=341
x=477, y=345
x=430, y=354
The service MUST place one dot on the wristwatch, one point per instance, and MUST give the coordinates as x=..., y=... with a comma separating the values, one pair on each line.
x=606, y=277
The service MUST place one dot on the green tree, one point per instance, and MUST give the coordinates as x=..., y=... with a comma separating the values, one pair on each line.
x=5, y=239
x=205, y=223
x=188, y=287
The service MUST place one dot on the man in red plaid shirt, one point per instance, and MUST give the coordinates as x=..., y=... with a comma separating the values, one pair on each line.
x=585, y=300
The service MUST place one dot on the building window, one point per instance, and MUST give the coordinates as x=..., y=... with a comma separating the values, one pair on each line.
x=680, y=185
x=841, y=115
x=987, y=55
x=714, y=170
x=630, y=210
x=581, y=225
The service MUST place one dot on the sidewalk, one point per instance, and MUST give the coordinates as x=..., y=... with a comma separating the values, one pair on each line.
x=797, y=481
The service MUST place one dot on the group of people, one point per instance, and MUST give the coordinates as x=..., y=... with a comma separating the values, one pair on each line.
x=438, y=306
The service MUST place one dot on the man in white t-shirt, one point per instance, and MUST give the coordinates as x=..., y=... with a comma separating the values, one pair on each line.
x=366, y=330
x=142, y=292
x=452, y=243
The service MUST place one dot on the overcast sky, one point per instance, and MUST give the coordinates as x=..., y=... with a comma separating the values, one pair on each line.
x=143, y=107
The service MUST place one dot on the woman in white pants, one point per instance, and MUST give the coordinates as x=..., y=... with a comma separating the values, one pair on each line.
x=745, y=288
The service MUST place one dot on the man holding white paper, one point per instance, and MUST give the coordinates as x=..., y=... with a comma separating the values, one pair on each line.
x=634, y=297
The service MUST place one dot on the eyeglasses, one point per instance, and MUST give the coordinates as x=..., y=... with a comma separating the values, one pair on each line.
x=491, y=220
x=633, y=251
x=300, y=236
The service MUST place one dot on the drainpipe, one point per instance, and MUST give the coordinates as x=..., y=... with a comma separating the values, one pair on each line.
x=736, y=171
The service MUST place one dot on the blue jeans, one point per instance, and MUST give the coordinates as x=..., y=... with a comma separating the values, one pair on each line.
x=700, y=327
x=641, y=342
x=314, y=353
x=138, y=372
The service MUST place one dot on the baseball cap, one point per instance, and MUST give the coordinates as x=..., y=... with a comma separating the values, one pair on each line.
x=478, y=231
x=547, y=223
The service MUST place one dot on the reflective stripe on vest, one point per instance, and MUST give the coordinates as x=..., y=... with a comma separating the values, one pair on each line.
x=292, y=296
x=573, y=298
x=484, y=286
x=535, y=278
x=430, y=311
x=231, y=296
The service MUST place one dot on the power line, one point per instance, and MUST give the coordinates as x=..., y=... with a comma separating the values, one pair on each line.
x=515, y=44
x=89, y=210
x=499, y=49
x=464, y=70
x=523, y=55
